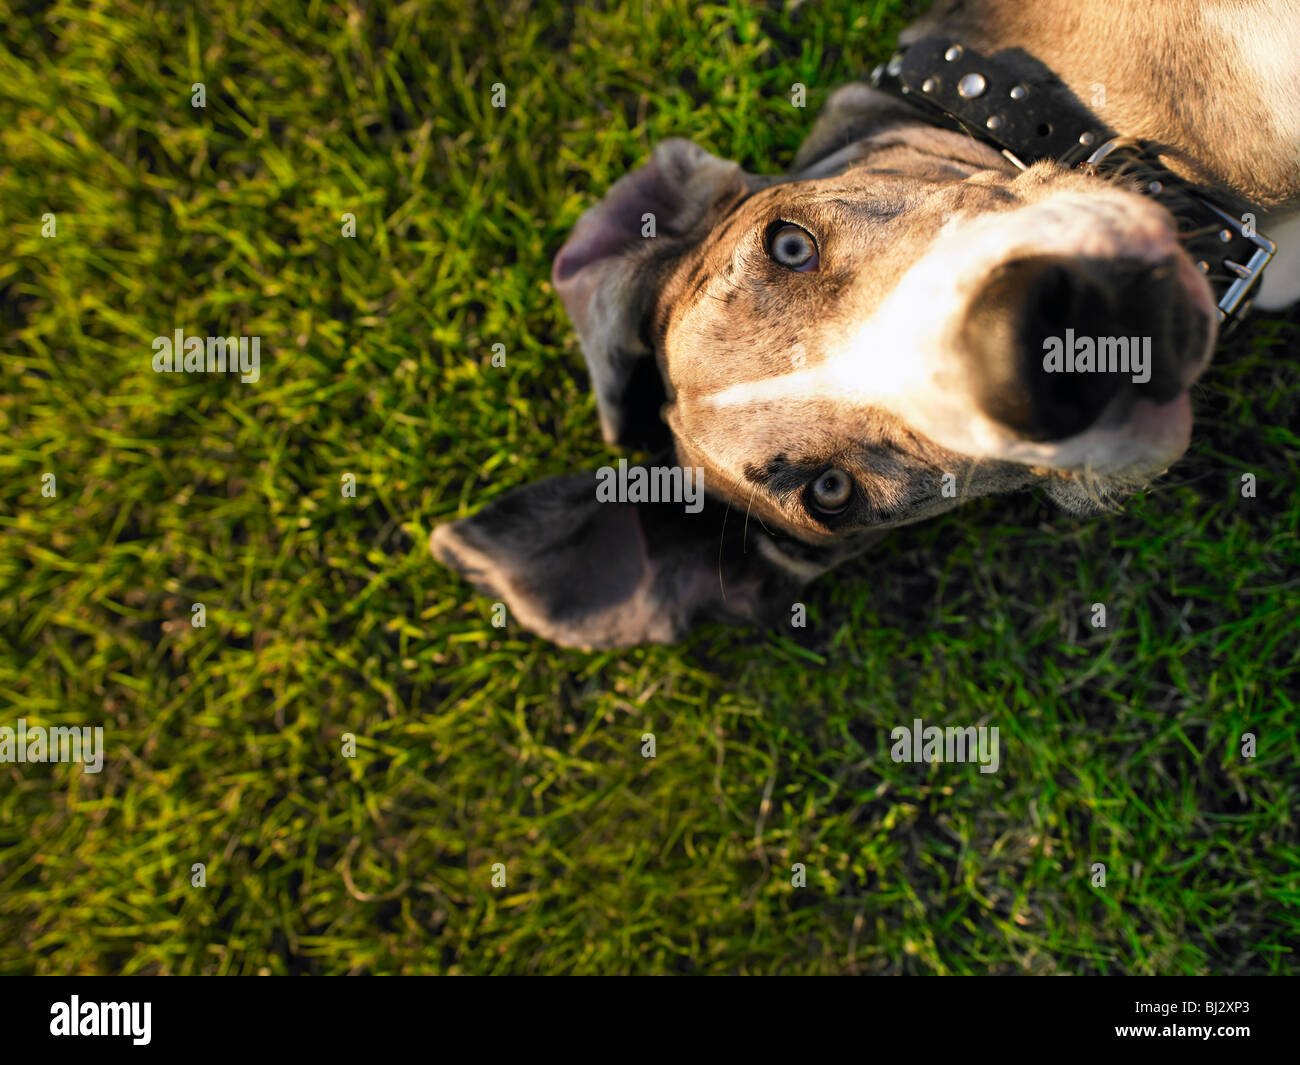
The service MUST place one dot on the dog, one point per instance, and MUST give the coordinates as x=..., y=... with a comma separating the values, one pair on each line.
x=927, y=308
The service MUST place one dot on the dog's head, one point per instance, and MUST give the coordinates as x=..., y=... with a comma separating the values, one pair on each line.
x=906, y=322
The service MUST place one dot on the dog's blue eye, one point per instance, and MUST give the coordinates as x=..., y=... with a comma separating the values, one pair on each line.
x=793, y=247
x=831, y=491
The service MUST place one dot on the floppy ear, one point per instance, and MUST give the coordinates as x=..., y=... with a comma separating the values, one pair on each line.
x=611, y=269
x=586, y=573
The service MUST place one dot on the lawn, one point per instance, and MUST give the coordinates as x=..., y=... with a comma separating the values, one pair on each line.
x=477, y=746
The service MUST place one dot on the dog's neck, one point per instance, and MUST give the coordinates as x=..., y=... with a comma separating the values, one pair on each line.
x=1222, y=92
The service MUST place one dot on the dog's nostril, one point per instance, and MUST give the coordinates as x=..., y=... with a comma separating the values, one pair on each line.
x=1045, y=333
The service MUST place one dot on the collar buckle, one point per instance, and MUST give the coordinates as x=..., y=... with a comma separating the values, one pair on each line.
x=1237, y=239
x=1244, y=274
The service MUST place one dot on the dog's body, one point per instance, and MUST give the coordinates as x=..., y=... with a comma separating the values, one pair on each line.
x=858, y=344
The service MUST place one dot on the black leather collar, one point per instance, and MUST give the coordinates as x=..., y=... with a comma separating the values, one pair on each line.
x=1029, y=122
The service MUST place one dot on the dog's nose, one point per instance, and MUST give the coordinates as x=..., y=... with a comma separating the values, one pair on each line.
x=1054, y=340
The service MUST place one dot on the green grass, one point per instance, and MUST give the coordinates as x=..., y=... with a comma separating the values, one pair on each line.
x=326, y=615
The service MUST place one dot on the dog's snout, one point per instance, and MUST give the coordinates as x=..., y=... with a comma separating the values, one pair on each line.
x=1055, y=340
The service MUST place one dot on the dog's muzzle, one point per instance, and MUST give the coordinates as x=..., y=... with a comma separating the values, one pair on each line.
x=1034, y=315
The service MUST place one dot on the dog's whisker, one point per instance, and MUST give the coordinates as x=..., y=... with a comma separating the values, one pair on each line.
x=970, y=477
x=722, y=540
x=744, y=539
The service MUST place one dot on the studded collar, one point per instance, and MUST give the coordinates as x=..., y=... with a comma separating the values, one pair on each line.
x=1032, y=122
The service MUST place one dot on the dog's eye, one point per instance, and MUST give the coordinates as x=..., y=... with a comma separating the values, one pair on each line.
x=831, y=491
x=792, y=247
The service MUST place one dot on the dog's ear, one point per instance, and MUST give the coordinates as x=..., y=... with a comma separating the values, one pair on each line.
x=609, y=272
x=587, y=573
